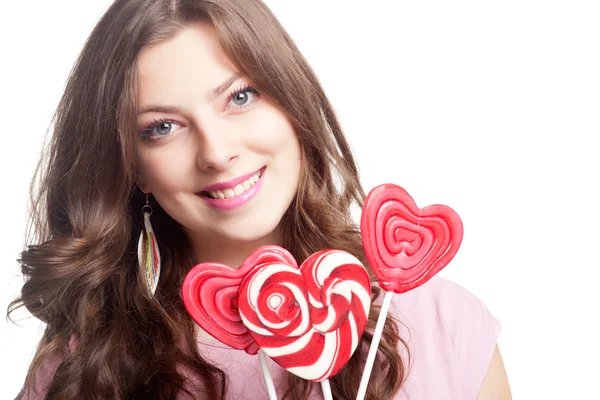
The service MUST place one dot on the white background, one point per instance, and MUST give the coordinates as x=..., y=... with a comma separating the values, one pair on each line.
x=491, y=108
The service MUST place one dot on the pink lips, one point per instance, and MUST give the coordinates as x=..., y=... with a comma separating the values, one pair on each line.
x=228, y=204
x=228, y=184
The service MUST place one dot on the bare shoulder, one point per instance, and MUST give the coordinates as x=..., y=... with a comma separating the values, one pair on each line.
x=495, y=384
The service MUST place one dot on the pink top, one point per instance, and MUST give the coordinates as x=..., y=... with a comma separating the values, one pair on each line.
x=450, y=333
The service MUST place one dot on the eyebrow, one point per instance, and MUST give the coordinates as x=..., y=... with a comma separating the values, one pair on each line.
x=216, y=92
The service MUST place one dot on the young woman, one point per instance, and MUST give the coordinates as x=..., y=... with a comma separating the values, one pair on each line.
x=206, y=113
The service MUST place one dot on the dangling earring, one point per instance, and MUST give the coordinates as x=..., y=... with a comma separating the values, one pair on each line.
x=148, y=254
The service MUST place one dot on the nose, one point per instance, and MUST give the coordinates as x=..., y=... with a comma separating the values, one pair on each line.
x=217, y=150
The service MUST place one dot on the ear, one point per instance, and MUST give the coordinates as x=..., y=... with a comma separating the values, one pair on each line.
x=141, y=183
x=144, y=187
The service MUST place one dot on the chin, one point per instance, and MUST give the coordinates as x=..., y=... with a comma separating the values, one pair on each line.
x=260, y=232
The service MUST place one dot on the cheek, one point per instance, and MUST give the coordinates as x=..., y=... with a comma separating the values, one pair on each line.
x=165, y=172
x=274, y=134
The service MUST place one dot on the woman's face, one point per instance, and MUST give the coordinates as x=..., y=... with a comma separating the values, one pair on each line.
x=220, y=159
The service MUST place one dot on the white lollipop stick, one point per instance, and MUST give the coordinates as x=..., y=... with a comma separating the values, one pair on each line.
x=267, y=375
x=326, y=389
x=385, y=306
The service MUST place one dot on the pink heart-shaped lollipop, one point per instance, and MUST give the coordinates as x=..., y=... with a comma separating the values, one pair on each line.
x=308, y=320
x=406, y=245
x=210, y=292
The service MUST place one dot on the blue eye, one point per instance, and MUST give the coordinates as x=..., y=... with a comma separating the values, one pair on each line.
x=162, y=127
x=243, y=97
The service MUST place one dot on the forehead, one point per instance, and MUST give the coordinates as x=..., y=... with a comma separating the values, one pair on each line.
x=189, y=62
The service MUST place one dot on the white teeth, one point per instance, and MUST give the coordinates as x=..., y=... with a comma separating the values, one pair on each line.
x=237, y=190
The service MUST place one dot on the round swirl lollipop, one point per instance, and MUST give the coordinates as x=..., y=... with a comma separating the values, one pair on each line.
x=308, y=320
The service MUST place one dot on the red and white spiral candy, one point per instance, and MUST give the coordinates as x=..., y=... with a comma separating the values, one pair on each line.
x=210, y=292
x=308, y=320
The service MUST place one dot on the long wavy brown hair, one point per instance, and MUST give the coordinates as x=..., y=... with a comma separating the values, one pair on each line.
x=82, y=277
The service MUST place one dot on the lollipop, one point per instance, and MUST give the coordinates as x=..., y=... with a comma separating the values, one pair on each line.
x=210, y=292
x=405, y=246
x=308, y=320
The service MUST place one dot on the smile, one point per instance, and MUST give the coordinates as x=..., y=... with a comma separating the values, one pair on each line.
x=234, y=193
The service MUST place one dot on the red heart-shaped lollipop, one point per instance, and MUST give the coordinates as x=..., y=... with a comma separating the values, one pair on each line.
x=308, y=320
x=405, y=245
x=210, y=295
